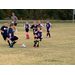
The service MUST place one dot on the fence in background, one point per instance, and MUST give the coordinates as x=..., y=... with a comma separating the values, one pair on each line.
x=44, y=21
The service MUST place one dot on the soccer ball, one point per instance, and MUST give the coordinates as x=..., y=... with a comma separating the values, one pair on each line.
x=23, y=46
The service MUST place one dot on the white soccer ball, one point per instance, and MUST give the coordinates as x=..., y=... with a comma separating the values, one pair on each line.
x=23, y=46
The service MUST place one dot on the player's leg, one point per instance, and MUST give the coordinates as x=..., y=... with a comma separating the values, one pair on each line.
x=38, y=42
x=35, y=41
x=27, y=35
x=15, y=24
x=14, y=40
x=49, y=35
x=8, y=40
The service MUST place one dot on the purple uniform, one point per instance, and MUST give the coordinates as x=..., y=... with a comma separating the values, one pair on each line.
x=39, y=34
x=26, y=26
x=48, y=25
x=40, y=25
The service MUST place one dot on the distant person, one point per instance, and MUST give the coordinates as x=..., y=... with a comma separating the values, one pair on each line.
x=27, y=26
x=40, y=24
x=4, y=32
x=21, y=18
x=48, y=26
x=14, y=21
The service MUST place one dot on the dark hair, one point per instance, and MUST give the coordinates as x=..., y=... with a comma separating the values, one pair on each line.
x=27, y=20
x=5, y=22
x=47, y=19
x=11, y=24
x=39, y=27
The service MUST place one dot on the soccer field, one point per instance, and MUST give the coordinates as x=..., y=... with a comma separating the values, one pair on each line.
x=57, y=50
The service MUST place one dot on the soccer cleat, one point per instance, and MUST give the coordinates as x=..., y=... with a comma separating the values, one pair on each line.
x=37, y=47
x=11, y=47
x=46, y=36
x=34, y=46
x=49, y=36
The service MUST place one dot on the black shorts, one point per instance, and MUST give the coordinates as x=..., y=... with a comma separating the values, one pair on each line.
x=4, y=37
x=14, y=38
x=48, y=31
x=38, y=38
x=15, y=24
x=27, y=30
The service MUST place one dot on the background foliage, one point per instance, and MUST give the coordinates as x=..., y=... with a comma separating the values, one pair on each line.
x=53, y=14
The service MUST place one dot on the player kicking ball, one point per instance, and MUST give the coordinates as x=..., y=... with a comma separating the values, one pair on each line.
x=48, y=26
x=27, y=26
x=39, y=37
x=4, y=32
x=13, y=38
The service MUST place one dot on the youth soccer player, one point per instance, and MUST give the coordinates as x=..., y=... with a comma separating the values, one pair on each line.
x=38, y=38
x=40, y=24
x=48, y=26
x=27, y=26
x=13, y=38
x=34, y=27
x=4, y=32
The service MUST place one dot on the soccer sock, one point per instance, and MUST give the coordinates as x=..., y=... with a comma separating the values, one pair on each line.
x=26, y=35
x=12, y=44
x=37, y=43
x=49, y=34
x=34, y=43
x=8, y=42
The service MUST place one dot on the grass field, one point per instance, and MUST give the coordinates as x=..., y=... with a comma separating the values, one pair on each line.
x=57, y=50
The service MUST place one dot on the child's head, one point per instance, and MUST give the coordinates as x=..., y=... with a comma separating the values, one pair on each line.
x=47, y=20
x=39, y=28
x=12, y=25
x=13, y=14
x=5, y=23
x=27, y=22
x=39, y=21
x=34, y=22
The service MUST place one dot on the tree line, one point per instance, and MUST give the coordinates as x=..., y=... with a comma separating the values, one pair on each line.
x=35, y=14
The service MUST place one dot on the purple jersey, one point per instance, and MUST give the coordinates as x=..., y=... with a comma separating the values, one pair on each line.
x=26, y=26
x=39, y=34
x=48, y=25
x=40, y=25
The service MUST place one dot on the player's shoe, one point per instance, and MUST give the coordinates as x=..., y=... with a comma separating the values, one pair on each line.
x=37, y=47
x=34, y=46
x=49, y=36
x=46, y=36
x=16, y=30
x=11, y=47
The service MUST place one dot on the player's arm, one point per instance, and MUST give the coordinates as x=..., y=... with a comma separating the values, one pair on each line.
x=2, y=30
x=24, y=27
x=31, y=27
x=51, y=27
x=10, y=31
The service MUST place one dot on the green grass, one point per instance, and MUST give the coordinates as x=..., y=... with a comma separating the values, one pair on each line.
x=57, y=50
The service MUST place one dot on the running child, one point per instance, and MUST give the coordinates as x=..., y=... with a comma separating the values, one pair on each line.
x=48, y=26
x=27, y=26
x=11, y=36
x=34, y=27
x=38, y=38
x=4, y=32
x=40, y=24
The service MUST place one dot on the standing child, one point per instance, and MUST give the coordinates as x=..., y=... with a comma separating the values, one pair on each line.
x=26, y=26
x=4, y=32
x=34, y=27
x=48, y=26
x=38, y=38
x=40, y=24
x=11, y=36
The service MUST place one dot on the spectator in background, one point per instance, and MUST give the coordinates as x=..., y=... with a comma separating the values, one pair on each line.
x=14, y=20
